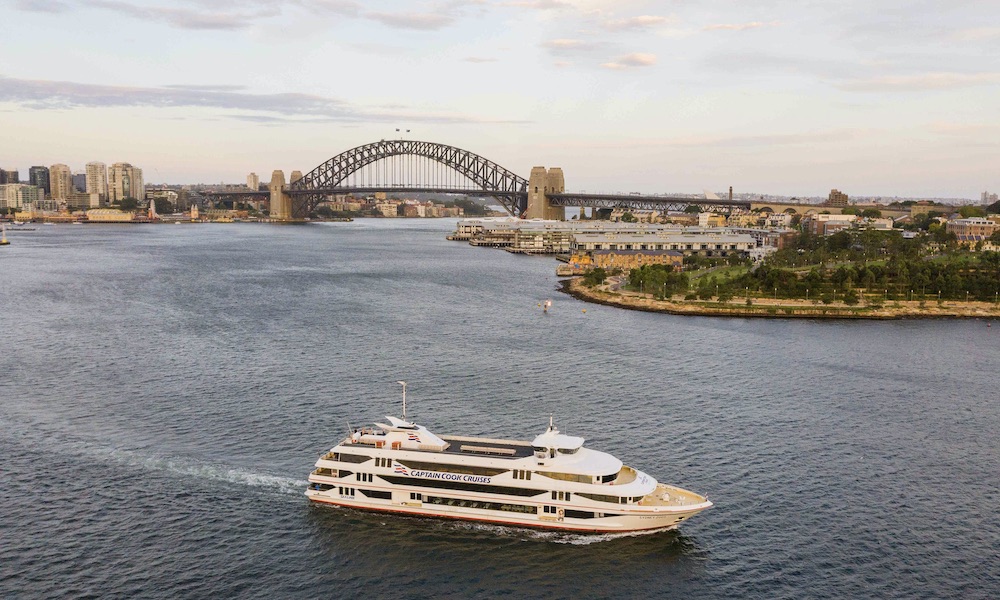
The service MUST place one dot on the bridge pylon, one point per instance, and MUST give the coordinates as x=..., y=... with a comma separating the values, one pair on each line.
x=281, y=203
x=540, y=183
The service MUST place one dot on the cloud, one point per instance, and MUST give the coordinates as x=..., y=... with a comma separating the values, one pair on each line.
x=184, y=18
x=260, y=108
x=636, y=59
x=739, y=26
x=43, y=6
x=206, y=88
x=539, y=4
x=418, y=21
x=636, y=23
x=977, y=33
x=919, y=83
x=569, y=46
x=478, y=59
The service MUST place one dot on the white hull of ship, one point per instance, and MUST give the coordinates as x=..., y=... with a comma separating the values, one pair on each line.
x=661, y=519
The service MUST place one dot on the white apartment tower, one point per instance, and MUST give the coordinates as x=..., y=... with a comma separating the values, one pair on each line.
x=125, y=181
x=253, y=182
x=97, y=179
x=61, y=182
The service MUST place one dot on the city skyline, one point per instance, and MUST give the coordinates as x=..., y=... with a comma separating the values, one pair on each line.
x=625, y=96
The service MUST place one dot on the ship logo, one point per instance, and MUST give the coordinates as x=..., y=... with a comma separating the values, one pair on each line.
x=400, y=469
x=413, y=437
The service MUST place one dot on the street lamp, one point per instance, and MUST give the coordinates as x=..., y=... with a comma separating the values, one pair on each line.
x=807, y=294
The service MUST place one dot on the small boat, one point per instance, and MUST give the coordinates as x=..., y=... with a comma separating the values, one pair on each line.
x=552, y=482
x=3, y=235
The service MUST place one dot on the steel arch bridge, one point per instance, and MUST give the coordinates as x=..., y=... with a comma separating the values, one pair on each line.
x=357, y=170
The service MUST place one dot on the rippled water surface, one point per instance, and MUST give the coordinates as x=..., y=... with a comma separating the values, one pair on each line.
x=166, y=389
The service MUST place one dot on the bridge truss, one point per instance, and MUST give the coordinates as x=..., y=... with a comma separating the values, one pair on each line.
x=408, y=166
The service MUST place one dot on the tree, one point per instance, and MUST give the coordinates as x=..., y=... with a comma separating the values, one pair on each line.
x=129, y=204
x=971, y=211
x=595, y=277
x=163, y=206
x=871, y=213
x=995, y=238
x=692, y=209
x=849, y=210
x=629, y=218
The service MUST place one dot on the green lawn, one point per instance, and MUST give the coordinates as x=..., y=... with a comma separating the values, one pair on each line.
x=720, y=273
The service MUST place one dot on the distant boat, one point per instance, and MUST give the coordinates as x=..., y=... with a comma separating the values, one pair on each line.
x=546, y=305
x=3, y=235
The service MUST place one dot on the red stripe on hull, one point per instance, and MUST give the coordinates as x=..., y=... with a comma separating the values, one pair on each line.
x=473, y=518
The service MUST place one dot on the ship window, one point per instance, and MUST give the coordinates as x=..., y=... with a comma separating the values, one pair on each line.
x=602, y=498
x=466, y=487
x=416, y=496
x=568, y=450
x=351, y=458
x=609, y=478
x=569, y=477
x=553, y=495
x=579, y=514
x=377, y=494
x=519, y=508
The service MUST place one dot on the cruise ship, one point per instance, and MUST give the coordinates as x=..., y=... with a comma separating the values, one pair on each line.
x=552, y=482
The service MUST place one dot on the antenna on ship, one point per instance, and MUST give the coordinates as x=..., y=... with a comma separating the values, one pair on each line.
x=403, y=383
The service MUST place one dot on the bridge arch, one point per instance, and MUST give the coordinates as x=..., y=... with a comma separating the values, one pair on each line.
x=489, y=178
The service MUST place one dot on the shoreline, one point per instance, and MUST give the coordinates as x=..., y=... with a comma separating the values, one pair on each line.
x=781, y=308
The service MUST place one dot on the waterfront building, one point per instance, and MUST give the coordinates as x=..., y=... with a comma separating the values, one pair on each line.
x=39, y=177
x=253, y=182
x=61, y=180
x=704, y=243
x=582, y=262
x=82, y=201
x=97, y=180
x=109, y=215
x=125, y=181
x=388, y=209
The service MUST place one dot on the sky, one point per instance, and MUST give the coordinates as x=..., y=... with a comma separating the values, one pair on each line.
x=791, y=97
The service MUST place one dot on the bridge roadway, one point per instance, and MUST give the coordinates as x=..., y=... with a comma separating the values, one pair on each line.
x=612, y=201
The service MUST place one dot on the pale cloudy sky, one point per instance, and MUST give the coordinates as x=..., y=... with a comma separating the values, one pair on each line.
x=875, y=97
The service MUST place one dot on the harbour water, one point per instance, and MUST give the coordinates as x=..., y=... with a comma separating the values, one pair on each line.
x=164, y=392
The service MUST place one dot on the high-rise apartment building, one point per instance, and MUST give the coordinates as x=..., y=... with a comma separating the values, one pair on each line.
x=97, y=179
x=21, y=196
x=125, y=181
x=39, y=176
x=253, y=182
x=61, y=180
x=9, y=176
x=79, y=182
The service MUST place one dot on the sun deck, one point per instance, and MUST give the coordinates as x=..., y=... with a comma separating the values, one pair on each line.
x=668, y=495
x=492, y=448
